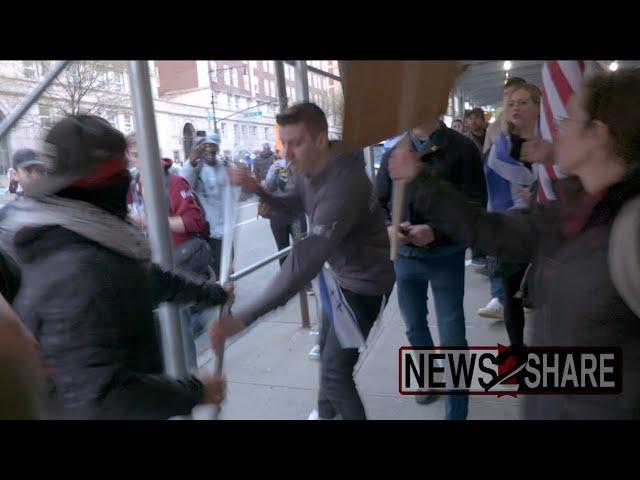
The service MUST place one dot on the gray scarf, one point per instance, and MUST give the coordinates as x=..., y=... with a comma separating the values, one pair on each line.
x=82, y=218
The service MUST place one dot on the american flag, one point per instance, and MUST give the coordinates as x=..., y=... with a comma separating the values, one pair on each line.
x=560, y=78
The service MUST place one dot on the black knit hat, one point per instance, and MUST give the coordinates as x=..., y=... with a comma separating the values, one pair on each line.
x=73, y=147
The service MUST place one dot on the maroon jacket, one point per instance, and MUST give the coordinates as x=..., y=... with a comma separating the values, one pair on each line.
x=182, y=203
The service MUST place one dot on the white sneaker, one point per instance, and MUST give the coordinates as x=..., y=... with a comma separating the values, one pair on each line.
x=316, y=416
x=314, y=354
x=492, y=310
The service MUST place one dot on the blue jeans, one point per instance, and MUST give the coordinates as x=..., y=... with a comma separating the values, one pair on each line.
x=445, y=272
x=497, y=291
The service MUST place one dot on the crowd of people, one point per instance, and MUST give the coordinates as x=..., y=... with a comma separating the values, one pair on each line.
x=78, y=335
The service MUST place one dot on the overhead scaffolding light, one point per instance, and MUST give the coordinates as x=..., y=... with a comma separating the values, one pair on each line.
x=507, y=65
x=613, y=66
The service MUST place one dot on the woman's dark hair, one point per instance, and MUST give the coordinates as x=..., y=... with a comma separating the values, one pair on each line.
x=614, y=99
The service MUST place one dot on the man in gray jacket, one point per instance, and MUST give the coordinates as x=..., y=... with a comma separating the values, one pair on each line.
x=346, y=230
x=207, y=177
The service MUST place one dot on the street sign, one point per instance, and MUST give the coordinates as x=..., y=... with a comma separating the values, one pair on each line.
x=210, y=115
x=252, y=114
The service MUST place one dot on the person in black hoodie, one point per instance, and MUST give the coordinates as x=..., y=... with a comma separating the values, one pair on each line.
x=568, y=240
x=88, y=286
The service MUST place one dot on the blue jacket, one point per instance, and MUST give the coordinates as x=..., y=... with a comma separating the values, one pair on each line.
x=451, y=157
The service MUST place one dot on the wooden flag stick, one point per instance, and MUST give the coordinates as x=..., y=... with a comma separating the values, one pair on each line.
x=397, y=199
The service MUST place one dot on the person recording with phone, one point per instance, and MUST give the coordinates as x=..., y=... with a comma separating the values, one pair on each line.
x=207, y=177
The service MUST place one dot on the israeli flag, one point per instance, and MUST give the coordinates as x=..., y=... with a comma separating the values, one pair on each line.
x=338, y=311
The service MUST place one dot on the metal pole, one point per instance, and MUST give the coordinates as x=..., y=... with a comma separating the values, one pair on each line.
x=213, y=101
x=302, y=93
x=368, y=158
x=156, y=207
x=18, y=112
x=281, y=80
x=230, y=197
x=261, y=263
x=302, y=81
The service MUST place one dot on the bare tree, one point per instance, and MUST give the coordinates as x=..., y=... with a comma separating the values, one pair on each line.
x=333, y=105
x=84, y=87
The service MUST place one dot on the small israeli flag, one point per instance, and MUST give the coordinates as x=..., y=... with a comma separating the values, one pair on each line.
x=338, y=311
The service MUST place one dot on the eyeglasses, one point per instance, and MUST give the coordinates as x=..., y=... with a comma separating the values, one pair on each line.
x=561, y=123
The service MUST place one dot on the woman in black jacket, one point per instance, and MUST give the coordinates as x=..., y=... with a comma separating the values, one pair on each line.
x=88, y=286
x=567, y=240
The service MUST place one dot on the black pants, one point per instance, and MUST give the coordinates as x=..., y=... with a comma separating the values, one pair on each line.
x=216, y=246
x=338, y=393
x=513, y=312
x=283, y=228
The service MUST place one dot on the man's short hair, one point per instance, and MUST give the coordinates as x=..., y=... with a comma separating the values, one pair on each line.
x=308, y=113
x=477, y=111
x=515, y=82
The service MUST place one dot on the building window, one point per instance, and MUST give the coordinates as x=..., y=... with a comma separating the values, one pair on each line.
x=236, y=130
x=253, y=64
x=101, y=80
x=234, y=75
x=255, y=85
x=237, y=99
x=112, y=118
x=266, y=133
x=266, y=86
x=254, y=132
x=244, y=131
x=45, y=66
x=273, y=89
x=29, y=70
x=176, y=155
x=223, y=130
x=271, y=67
x=46, y=115
x=128, y=126
x=227, y=77
x=265, y=65
x=245, y=82
x=213, y=72
x=118, y=81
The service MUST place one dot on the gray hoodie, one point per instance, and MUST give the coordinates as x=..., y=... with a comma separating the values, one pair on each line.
x=347, y=229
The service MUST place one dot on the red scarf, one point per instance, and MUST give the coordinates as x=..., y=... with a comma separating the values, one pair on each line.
x=577, y=214
x=103, y=174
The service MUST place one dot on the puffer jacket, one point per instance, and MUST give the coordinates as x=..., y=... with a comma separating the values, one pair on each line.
x=90, y=309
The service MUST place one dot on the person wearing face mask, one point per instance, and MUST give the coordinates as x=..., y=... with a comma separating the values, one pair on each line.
x=207, y=177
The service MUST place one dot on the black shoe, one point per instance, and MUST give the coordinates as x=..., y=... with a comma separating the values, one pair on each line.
x=426, y=399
